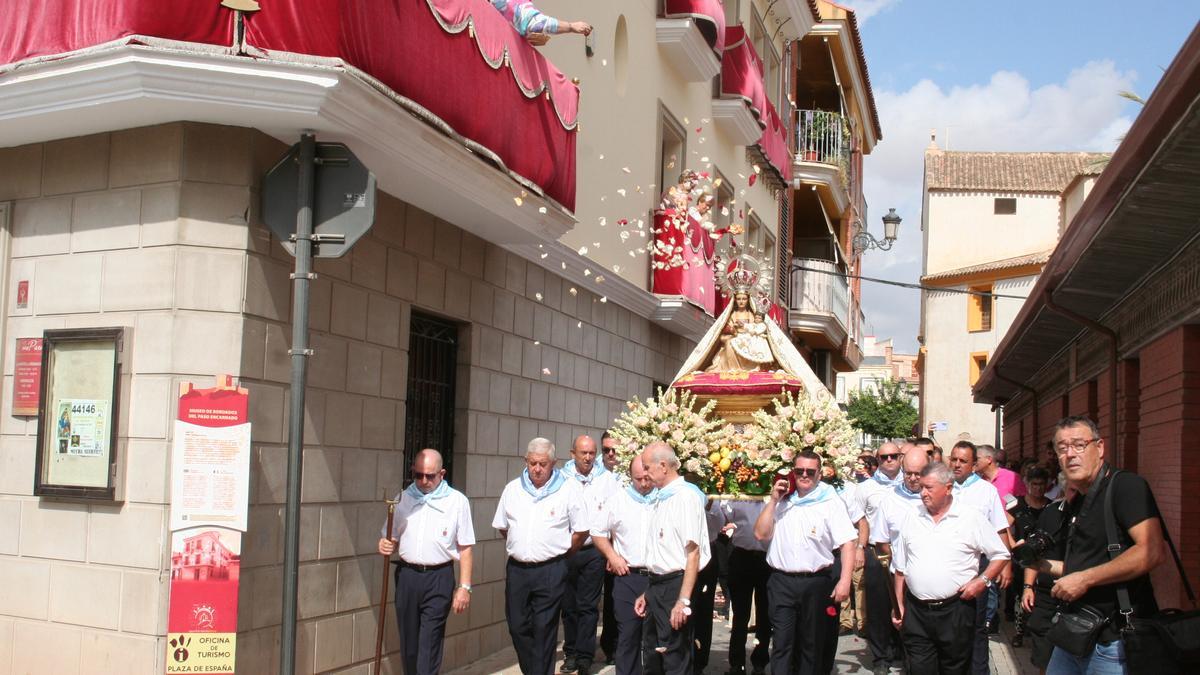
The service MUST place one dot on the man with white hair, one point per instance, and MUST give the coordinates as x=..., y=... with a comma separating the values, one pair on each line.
x=431, y=528
x=676, y=551
x=543, y=519
x=937, y=580
x=621, y=532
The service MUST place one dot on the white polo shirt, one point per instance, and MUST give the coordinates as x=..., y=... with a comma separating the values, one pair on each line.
x=540, y=530
x=937, y=559
x=895, y=508
x=805, y=536
x=743, y=515
x=870, y=493
x=430, y=533
x=677, y=521
x=627, y=523
x=849, y=494
x=596, y=489
x=982, y=496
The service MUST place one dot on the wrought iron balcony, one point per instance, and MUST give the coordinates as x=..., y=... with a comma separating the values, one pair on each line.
x=820, y=303
x=823, y=137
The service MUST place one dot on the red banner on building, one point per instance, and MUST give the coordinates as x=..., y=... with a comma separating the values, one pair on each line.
x=27, y=377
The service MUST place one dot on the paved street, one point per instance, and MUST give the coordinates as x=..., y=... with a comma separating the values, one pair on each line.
x=852, y=657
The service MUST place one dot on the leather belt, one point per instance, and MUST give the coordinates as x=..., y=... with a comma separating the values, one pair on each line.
x=425, y=568
x=640, y=571
x=661, y=578
x=540, y=563
x=935, y=604
x=823, y=572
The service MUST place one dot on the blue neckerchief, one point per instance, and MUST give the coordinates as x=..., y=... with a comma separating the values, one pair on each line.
x=556, y=481
x=881, y=478
x=822, y=492
x=967, y=483
x=903, y=492
x=427, y=499
x=648, y=498
x=571, y=470
x=665, y=493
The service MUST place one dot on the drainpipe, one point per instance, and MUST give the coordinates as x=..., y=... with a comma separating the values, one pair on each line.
x=1113, y=358
x=1033, y=393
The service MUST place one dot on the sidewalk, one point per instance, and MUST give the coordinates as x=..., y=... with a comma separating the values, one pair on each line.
x=852, y=657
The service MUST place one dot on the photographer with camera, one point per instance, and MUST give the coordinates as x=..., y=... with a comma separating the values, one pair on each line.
x=1086, y=630
x=1042, y=537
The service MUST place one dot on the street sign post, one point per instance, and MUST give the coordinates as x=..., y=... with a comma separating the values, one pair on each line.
x=318, y=200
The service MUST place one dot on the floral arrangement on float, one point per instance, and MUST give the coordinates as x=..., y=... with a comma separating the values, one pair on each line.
x=677, y=418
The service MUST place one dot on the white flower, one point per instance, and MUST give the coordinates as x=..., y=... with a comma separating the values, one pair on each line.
x=641, y=421
x=672, y=408
x=818, y=414
x=664, y=427
x=692, y=465
x=810, y=439
x=797, y=426
x=676, y=435
x=787, y=411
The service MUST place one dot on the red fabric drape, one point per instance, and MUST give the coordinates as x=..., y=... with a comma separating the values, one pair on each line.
x=694, y=279
x=709, y=13
x=33, y=28
x=476, y=78
x=774, y=143
x=742, y=72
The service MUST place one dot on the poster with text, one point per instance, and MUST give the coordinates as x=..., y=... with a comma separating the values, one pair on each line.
x=210, y=459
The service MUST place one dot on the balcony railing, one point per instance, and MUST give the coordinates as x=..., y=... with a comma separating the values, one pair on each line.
x=819, y=289
x=824, y=137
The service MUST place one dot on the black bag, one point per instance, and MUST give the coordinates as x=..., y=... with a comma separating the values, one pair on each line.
x=1076, y=630
x=1167, y=643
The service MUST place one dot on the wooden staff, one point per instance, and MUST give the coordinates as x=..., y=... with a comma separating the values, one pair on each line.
x=383, y=596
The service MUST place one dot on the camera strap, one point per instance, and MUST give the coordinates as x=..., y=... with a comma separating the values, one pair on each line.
x=1085, y=508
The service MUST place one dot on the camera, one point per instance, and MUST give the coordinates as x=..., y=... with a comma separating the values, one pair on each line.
x=1035, y=547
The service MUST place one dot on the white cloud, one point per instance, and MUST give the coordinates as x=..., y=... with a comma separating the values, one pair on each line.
x=1084, y=112
x=865, y=9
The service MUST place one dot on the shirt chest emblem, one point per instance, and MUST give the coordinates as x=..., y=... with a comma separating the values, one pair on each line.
x=445, y=533
x=660, y=534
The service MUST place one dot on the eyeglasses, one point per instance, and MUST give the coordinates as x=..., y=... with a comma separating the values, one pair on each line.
x=1077, y=446
x=417, y=475
x=806, y=472
x=610, y=451
x=892, y=456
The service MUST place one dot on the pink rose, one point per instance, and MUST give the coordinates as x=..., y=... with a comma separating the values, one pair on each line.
x=672, y=408
x=642, y=421
x=797, y=426
x=787, y=454
x=664, y=427
x=810, y=439
x=818, y=414
x=677, y=435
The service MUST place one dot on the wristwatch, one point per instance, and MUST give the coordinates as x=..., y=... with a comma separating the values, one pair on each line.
x=465, y=587
x=1027, y=587
x=987, y=582
x=687, y=602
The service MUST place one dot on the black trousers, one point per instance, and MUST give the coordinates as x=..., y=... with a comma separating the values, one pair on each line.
x=979, y=649
x=608, y=619
x=581, y=604
x=748, y=575
x=665, y=651
x=703, y=593
x=423, y=602
x=939, y=639
x=832, y=618
x=798, y=618
x=628, y=635
x=532, y=596
x=882, y=638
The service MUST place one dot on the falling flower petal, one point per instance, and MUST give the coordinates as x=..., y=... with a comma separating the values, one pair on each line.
x=573, y=291
x=542, y=209
x=587, y=272
x=704, y=159
x=621, y=192
x=583, y=250
x=604, y=298
x=545, y=371
x=538, y=296
x=616, y=269
x=604, y=62
x=518, y=200
x=603, y=221
x=753, y=179
x=626, y=169
x=538, y=342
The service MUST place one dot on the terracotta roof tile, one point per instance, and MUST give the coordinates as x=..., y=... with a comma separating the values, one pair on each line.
x=996, y=265
x=1008, y=171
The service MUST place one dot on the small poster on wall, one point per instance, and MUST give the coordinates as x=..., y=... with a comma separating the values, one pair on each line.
x=80, y=427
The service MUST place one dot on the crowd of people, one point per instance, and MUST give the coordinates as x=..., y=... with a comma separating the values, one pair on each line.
x=916, y=551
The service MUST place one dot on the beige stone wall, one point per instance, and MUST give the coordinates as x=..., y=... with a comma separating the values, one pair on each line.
x=147, y=228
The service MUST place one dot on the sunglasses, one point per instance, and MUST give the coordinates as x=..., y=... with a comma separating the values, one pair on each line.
x=417, y=475
x=889, y=457
x=806, y=472
x=610, y=451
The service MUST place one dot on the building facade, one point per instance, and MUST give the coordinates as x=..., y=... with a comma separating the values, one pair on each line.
x=495, y=298
x=989, y=223
x=1110, y=328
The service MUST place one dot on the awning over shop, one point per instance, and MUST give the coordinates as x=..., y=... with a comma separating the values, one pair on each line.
x=709, y=15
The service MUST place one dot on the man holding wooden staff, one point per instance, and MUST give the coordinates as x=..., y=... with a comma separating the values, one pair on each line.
x=431, y=528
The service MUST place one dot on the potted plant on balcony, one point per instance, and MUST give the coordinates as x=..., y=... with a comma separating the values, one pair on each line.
x=827, y=135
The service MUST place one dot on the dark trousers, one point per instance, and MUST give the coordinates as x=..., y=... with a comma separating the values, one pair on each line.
x=797, y=617
x=720, y=550
x=979, y=649
x=938, y=639
x=703, y=593
x=532, y=596
x=882, y=638
x=608, y=619
x=628, y=634
x=422, y=604
x=748, y=574
x=664, y=649
x=581, y=604
x=832, y=616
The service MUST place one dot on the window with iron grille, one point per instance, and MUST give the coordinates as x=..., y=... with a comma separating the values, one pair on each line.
x=432, y=365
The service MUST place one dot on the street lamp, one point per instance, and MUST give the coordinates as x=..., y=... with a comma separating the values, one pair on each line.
x=863, y=241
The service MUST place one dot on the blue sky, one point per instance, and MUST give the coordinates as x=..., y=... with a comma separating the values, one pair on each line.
x=995, y=76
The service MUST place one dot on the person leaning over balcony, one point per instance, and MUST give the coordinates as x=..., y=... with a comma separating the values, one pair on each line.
x=535, y=26
x=543, y=519
x=431, y=528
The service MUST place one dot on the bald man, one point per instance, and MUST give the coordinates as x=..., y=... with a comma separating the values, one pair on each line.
x=585, y=567
x=431, y=528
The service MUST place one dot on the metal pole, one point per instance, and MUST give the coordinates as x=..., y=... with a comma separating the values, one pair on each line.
x=300, y=353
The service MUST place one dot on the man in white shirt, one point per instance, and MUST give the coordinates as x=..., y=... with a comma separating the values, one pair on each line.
x=899, y=504
x=542, y=517
x=938, y=584
x=431, y=527
x=805, y=521
x=978, y=494
x=882, y=639
x=608, y=636
x=677, y=548
x=585, y=567
x=620, y=533
x=748, y=575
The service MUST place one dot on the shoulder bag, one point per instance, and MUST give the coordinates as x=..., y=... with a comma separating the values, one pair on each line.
x=1075, y=628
